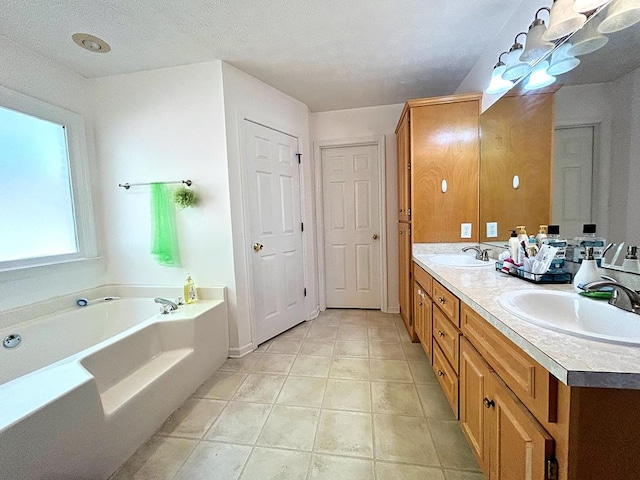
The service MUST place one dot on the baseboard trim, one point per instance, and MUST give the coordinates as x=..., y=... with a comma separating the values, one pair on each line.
x=313, y=314
x=393, y=309
x=242, y=351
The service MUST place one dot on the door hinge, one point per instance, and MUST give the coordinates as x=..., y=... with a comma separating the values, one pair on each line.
x=299, y=155
x=409, y=212
x=305, y=292
x=551, y=472
x=409, y=231
x=302, y=227
x=409, y=166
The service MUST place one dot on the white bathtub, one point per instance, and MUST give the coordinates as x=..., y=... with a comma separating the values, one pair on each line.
x=88, y=385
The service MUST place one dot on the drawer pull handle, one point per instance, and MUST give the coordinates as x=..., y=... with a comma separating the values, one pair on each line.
x=440, y=373
x=440, y=333
x=441, y=300
x=488, y=403
x=420, y=304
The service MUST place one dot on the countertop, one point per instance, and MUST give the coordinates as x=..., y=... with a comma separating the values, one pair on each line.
x=575, y=361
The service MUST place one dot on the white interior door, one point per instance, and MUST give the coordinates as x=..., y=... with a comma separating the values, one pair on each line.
x=275, y=225
x=572, y=182
x=351, y=226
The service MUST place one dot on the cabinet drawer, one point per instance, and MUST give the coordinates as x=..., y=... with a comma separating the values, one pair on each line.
x=447, y=302
x=448, y=338
x=423, y=278
x=533, y=384
x=447, y=378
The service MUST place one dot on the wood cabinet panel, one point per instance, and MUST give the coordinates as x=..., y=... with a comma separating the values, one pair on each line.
x=404, y=179
x=519, y=446
x=418, y=310
x=404, y=260
x=474, y=372
x=517, y=139
x=423, y=278
x=448, y=338
x=531, y=382
x=447, y=378
x=447, y=302
x=444, y=146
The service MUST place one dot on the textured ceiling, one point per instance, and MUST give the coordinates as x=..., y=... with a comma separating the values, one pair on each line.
x=330, y=54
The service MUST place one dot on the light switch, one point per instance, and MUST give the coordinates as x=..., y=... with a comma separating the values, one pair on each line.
x=465, y=230
x=492, y=229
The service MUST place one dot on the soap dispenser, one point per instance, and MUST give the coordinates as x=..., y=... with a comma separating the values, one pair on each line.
x=190, y=294
x=514, y=246
x=631, y=262
x=588, y=271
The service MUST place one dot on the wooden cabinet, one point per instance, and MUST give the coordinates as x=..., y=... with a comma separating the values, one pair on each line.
x=404, y=170
x=422, y=319
x=404, y=248
x=447, y=377
x=507, y=440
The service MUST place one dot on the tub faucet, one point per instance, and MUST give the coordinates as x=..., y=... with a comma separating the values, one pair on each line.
x=167, y=305
x=481, y=253
x=623, y=297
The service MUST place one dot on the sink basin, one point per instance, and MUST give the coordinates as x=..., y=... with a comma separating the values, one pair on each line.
x=575, y=315
x=457, y=260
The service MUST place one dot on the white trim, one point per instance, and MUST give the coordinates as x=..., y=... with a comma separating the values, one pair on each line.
x=242, y=351
x=379, y=142
x=393, y=309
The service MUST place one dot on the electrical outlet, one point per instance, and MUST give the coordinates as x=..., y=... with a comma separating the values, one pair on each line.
x=465, y=230
x=492, y=229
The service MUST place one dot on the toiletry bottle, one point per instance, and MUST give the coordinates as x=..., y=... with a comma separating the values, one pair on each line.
x=588, y=271
x=522, y=234
x=532, y=248
x=554, y=239
x=542, y=233
x=190, y=294
x=631, y=262
x=588, y=239
x=514, y=246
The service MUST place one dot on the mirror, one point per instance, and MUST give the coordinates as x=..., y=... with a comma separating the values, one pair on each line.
x=575, y=147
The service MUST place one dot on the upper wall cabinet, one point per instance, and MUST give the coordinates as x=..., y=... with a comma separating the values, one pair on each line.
x=404, y=170
x=444, y=145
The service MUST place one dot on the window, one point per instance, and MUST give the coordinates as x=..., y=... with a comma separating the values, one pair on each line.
x=45, y=202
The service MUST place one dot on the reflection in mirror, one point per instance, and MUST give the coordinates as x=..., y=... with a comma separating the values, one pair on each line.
x=595, y=149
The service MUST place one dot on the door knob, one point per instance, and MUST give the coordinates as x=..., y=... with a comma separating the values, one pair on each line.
x=375, y=236
x=488, y=403
x=257, y=247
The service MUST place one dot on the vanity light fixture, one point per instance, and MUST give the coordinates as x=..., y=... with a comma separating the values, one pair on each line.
x=563, y=20
x=515, y=68
x=498, y=84
x=584, y=6
x=620, y=14
x=91, y=43
x=536, y=47
x=539, y=77
x=562, y=61
x=588, y=39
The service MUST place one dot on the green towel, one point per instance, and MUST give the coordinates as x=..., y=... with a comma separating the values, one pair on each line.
x=164, y=235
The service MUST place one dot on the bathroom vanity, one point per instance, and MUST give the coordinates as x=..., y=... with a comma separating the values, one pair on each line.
x=533, y=403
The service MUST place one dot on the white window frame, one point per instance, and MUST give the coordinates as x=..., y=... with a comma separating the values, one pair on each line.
x=79, y=176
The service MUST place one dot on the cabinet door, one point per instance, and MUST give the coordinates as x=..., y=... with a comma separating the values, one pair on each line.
x=519, y=446
x=474, y=372
x=404, y=173
x=418, y=311
x=404, y=260
x=444, y=147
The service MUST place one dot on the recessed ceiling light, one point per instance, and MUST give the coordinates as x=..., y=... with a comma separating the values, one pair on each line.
x=91, y=43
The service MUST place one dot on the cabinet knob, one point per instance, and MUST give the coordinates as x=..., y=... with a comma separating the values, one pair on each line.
x=488, y=403
x=420, y=304
x=441, y=374
x=400, y=210
x=440, y=333
x=441, y=300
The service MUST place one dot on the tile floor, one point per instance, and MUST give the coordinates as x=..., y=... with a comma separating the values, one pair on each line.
x=345, y=396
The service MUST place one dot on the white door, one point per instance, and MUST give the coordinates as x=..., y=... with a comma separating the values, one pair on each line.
x=276, y=230
x=572, y=179
x=351, y=226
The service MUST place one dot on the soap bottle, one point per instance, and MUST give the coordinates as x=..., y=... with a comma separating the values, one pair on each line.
x=190, y=294
x=514, y=246
x=522, y=234
x=554, y=239
x=631, y=262
x=542, y=234
x=588, y=271
x=532, y=248
x=588, y=239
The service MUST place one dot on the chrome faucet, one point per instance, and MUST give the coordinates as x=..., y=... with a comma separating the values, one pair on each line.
x=623, y=297
x=167, y=305
x=481, y=253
